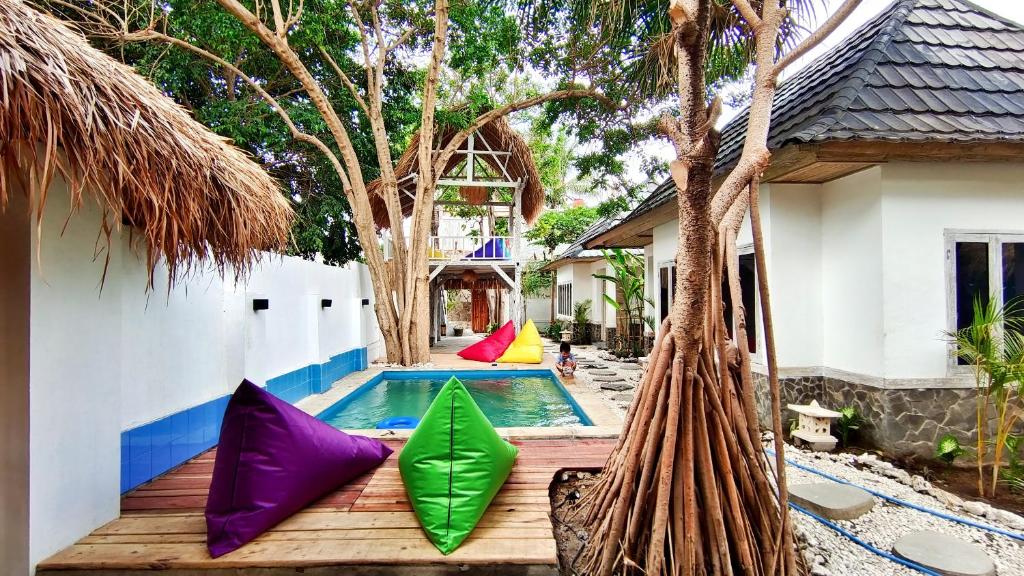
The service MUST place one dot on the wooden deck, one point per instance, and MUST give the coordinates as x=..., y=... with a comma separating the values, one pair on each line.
x=365, y=528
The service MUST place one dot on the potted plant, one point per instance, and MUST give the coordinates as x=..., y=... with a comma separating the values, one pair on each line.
x=458, y=330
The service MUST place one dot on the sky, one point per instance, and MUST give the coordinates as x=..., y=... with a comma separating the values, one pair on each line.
x=1012, y=9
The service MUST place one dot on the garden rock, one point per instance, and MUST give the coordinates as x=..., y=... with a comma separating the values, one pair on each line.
x=919, y=484
x=944, y=554
x=976, y=508
x=831, y=500
x=616, y=386
x=623, y=396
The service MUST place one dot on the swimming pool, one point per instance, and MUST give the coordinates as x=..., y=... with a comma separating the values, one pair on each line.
x=509, y=398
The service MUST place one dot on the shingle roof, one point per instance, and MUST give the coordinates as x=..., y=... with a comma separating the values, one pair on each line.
x=935, y=70
x=922, y=70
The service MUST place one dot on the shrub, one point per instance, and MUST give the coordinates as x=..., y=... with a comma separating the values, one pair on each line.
x=849, y=420
x=948, y=449
x=1013, y=474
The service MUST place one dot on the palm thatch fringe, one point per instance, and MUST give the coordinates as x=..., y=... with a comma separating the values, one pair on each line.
x=500, y=135
x=67, y=108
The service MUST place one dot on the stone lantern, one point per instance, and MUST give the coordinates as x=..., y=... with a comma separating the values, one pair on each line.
x=813, y=426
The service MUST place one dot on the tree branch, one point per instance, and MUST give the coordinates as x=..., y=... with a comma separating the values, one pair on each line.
x=823, y=31
x=279, y=27
x=749, y=14
x=345, y=80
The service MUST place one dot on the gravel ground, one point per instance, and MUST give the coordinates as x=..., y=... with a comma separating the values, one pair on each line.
x=829, y=553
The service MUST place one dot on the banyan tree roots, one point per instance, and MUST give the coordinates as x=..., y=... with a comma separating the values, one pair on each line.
x=688, y=489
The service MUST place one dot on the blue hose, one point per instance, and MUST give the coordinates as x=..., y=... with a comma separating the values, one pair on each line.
x=849, y=535
x=943, y=515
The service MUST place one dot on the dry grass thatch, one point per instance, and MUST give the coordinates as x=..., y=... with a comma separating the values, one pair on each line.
x=68, y=108
x=501, y=137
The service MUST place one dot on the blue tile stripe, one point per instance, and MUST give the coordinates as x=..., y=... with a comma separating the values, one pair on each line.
x=154, y=448
x=316, y=378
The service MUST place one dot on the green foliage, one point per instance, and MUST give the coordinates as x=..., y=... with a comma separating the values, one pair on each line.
x=948, y=449
x=556, y=227
x=849, y=421
x=623, y=49
x=581, y=322
x=535, y=282
x=482, y=37
x=628, y=277
x=1013, y=473
x=993, y=346
x=554, y=330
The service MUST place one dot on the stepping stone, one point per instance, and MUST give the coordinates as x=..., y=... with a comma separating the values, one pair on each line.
x=624, y=396
x=602, y=373
x=832, y=500
x=629, y=367
x=606, y=378
x=592, y=365
x=616, y=386
x=944, y=554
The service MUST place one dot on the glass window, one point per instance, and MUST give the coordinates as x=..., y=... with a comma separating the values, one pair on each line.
x=748, y=289
x=971, y=279
x=1013, y=276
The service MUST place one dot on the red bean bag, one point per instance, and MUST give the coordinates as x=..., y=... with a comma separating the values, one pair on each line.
x=490, y=348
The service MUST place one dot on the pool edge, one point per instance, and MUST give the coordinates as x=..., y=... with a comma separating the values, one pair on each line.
x=605, y=423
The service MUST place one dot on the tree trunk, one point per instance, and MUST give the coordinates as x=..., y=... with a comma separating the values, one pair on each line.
x=688, y=489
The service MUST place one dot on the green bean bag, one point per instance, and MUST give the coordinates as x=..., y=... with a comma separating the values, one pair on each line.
x=453, y=465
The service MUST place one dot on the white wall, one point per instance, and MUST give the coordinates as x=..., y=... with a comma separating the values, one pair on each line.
x=919, y=202
x=852, y=294
x=15, y=305
x=539, y=310
x=794, y=272
x=107, y=361
x=75, y=388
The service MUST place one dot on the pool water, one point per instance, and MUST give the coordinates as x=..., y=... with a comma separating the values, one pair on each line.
x=527, y=398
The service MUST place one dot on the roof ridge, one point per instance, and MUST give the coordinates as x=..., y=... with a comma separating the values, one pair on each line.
x=867, y=63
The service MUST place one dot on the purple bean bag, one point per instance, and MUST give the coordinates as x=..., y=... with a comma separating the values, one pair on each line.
x=272, y=461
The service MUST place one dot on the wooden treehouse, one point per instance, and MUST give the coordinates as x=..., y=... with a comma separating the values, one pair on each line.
x=487, y=195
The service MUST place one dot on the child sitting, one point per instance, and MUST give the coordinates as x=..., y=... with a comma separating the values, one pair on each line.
x=566, y=362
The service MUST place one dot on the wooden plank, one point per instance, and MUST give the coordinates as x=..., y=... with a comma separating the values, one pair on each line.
x=298, y=554
x=486, y=532
x=314, y=520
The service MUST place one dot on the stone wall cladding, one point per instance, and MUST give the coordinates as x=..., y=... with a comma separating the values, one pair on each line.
x=901, y=421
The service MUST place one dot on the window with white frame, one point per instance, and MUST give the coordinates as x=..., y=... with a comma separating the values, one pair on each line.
x=982, y=266
x=565, y=299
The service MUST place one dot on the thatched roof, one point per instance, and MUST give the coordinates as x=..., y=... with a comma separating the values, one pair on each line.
x=66, y=107
x=501, y=137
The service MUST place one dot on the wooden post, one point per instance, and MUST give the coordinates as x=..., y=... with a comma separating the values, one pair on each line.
x=517, y=310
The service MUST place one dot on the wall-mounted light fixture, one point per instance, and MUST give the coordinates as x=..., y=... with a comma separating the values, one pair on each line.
x=325, y=303
x=366, y=301
x=260, y=304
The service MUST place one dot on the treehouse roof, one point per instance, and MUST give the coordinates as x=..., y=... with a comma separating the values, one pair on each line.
x=111, y=134
x=501, y=157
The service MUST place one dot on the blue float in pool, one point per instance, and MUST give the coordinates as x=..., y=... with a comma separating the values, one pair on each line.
x=398, y=423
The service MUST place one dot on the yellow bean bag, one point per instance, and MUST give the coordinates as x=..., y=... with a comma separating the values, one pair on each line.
x=526, y=348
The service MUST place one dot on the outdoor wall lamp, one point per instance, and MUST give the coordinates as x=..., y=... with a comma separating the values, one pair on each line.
x=325, y=303
x=260, y=304
x=366, y=301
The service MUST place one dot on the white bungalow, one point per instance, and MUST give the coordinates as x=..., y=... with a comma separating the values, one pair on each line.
x=573, y=282
x=895, y=196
